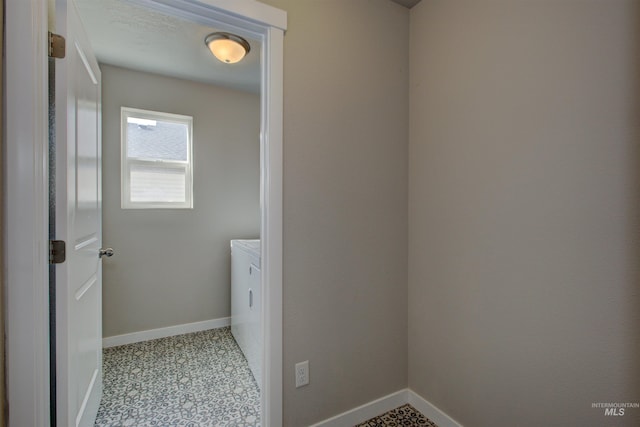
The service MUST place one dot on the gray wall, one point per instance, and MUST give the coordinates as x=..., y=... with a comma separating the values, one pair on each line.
x=345, y=203
x=523, y=204
x=172, y=266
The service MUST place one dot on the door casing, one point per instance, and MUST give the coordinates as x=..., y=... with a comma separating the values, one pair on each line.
x=25, y=199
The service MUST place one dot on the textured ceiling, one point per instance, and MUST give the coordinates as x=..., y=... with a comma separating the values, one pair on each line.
x=407, y=3
x=133, y=37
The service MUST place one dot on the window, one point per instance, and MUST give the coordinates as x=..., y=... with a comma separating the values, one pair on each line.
x=156, y=160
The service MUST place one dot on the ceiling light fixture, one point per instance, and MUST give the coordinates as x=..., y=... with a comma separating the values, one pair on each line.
x=227, y=47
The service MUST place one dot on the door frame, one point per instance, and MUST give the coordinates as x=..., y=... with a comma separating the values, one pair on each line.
x=25, y=198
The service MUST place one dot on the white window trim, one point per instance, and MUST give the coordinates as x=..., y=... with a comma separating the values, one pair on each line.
x=126, y=162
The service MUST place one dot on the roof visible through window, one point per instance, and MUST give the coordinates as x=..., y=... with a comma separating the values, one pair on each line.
x=162, y=141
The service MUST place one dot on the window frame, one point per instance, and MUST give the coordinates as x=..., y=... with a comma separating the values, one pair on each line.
x=126, y=162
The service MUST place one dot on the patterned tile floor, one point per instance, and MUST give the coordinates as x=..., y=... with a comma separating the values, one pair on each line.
x=405, y=415
x=194, y=380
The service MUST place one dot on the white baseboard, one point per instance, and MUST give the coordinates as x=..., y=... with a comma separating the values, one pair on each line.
x=169, y=331
x=380, y=406
x=368, y=410
x=431, y=411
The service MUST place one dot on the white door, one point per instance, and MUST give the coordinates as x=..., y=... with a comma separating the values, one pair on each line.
x=78, y=223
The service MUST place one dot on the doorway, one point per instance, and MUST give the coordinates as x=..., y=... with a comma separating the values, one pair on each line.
x=180, y=181
x=26, y=137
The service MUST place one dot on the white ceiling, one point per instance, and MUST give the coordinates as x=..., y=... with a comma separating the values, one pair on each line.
x=133, y=37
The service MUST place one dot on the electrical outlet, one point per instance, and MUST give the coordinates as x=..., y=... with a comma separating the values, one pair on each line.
x=302, y=373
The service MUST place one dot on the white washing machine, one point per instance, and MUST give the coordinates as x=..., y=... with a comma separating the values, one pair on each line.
x=246, y=302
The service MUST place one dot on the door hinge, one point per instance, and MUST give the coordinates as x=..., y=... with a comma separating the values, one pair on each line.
x=56, y=46
x=57, y=251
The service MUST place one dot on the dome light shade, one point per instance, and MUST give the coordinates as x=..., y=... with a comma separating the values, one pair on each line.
x=228, y=48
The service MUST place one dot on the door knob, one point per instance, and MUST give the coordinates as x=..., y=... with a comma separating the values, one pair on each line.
x=108, y=252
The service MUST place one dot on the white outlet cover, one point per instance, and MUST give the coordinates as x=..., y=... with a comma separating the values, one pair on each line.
x=302, y=373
